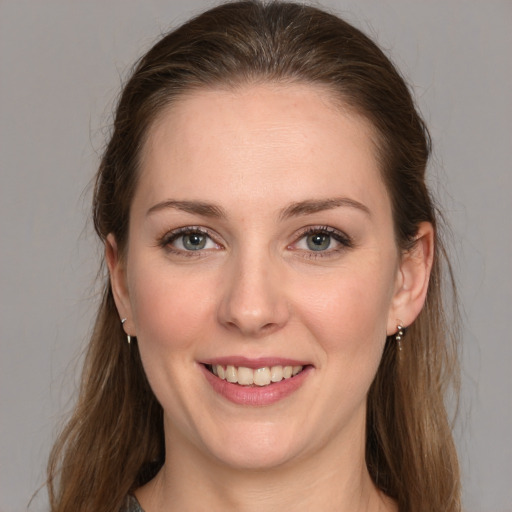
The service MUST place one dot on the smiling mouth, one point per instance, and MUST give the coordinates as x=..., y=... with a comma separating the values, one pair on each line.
x=244, y=376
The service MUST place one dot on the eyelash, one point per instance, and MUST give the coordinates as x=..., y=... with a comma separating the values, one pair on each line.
x=341, y=238
x=168, y=238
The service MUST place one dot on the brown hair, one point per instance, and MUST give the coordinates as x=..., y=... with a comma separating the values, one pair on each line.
x=114, y=441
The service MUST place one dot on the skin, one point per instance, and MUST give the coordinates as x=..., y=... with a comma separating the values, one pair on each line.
x=258, y=290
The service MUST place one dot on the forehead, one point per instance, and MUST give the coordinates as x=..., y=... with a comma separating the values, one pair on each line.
x=260, y=142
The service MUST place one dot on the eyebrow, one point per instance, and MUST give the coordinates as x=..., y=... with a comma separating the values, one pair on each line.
x=195, y=207
x=313, y=206
x=296, y=209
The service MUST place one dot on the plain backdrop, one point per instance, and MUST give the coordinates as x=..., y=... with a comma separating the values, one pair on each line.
x=61, y=65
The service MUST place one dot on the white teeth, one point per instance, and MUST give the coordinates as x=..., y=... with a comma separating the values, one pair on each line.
x=262, y=376
x=231, y=374
x=245, y=376
x=276, y=373
x=259, y=377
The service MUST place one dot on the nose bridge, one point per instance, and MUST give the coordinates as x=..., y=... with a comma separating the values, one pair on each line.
x=254, y=301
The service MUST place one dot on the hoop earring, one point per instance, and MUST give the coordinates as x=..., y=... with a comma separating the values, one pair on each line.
x=399, y=335
x=128, y=337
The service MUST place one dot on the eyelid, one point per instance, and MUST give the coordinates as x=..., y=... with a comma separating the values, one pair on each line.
x=170, y=236
x=344, y=240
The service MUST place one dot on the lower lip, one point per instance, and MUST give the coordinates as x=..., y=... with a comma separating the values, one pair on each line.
x=256, y=395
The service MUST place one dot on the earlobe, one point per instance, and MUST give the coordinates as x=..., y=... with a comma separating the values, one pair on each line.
x=412, y=279
x=117, y=272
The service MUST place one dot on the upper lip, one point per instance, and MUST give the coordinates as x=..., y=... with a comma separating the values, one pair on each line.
x=260, y=362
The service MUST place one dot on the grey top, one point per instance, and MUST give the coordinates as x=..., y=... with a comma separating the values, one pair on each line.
x=131, y=505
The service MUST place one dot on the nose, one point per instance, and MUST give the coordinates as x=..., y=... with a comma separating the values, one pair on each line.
x=254, y=299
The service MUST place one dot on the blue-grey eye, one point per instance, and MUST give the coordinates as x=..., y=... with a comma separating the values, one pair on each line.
x=188, y=240
x=318, y=241
x=194, y=241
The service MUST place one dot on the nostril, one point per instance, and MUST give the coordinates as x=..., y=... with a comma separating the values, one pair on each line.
x=253, y=329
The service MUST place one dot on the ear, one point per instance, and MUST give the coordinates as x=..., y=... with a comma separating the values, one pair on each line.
x=412, y=280
x=117, y=271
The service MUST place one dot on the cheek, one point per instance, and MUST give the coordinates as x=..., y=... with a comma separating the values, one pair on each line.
x=171, y=317
x=169, y=311
x=348, y=313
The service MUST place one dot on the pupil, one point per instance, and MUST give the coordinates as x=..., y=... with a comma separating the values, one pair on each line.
x=318, y=242
x=194, y=241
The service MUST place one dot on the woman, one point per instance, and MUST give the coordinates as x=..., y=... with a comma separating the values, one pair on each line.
x=269, y=238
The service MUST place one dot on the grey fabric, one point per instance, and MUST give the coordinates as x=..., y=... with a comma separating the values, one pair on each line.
x=131, y=505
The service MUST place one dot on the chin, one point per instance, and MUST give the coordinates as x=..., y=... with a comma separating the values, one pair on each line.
x=255, y=459
x=259, y=449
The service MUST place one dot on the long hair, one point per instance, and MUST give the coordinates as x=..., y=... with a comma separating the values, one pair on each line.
x=114, y=441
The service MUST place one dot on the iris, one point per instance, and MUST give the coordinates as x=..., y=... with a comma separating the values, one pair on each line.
x=318, y=241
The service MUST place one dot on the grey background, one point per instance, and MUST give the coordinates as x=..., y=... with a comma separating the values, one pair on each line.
x=60, y=68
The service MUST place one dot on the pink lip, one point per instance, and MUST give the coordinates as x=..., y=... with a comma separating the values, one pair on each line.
x=255, y=395
x=254, y=364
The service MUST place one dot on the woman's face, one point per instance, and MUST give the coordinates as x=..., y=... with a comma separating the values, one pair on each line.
x=260, y=244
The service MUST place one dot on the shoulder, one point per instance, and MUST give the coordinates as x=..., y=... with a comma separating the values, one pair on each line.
x=131, y=505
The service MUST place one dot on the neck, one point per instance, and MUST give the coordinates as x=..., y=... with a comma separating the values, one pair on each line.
x=319, y=481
